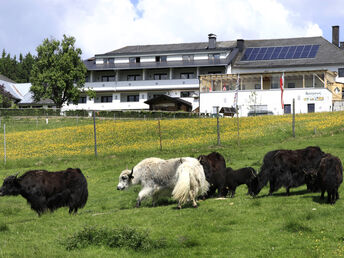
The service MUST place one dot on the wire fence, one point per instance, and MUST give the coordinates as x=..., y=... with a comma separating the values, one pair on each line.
x=41, y=136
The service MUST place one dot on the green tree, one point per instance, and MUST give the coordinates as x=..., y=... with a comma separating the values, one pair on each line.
x=58, y=73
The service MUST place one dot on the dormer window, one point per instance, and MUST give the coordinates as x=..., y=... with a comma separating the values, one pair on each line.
x=134, y=60
x=214, y=56
x=160, y=59
x=188, y=58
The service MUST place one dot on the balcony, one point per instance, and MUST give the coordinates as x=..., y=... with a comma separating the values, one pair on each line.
x=144, y=85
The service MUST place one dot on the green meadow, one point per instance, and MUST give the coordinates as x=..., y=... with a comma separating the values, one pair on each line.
x=299, y=225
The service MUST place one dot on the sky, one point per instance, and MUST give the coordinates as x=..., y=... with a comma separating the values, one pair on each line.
x=100, y=26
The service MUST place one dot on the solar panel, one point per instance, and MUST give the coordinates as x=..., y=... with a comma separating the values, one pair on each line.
x=285, y=52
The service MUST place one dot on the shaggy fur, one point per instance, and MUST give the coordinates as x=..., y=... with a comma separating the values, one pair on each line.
x=214, y=166
x=45, y=190
x=286, y=168
x=234, y=178
x=191, y=182
x=328, y=177
x=160, y=177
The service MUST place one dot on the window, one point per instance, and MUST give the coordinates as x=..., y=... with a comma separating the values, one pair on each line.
x=257, y=87
x=214, y=56
x=134, y=77
x=82, y=100
x=188, y=58
x=185, y=94
x=274, y=86
x=291, y=85
x=340, y=72
x=160, y=59
x=105, y=60
x=107, y=78
x=287, y=109
x=160, y=76
x=187, y=76
x=133, y=98
x=311, y=108
x=106, y=99
x=87, y=79
x=134, y=60
x=111, y=60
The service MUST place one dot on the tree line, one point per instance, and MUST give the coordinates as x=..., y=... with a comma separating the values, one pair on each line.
x=16, y=70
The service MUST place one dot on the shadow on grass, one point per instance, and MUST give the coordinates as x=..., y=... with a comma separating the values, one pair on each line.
x=292, y=193
x=317, y=199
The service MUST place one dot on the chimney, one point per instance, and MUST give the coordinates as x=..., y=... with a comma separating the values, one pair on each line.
x=240, y=44
x=212, y=41
x=341, y=45
x=335, y=35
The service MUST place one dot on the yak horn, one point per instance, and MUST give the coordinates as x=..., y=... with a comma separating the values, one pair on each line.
x=131, y=174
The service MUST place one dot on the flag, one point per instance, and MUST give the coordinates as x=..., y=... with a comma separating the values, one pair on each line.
x=236, y=92
x=282, y=89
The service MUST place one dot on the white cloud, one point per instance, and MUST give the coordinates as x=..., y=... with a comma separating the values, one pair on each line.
x=104, y=25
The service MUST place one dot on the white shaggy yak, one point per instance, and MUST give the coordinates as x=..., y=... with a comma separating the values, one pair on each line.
x=182, y=177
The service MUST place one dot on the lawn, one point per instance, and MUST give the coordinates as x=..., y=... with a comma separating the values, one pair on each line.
x=300, y=225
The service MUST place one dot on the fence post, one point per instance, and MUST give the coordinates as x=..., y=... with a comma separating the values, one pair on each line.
x=293, y=125
x=237, y=113
x=159, y=134
x=5, y=143
x=95, y=133
x=218, y=126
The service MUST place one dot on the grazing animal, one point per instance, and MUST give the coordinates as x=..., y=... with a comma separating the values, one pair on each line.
x=45, y=190
x=286, y=168
x=328, y=177
x=214, y=166
x=234, y=178
x=182, y=177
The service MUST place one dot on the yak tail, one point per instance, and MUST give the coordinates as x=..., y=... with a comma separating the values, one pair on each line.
x=181, y=191
x=191, y=183
x=83, y=194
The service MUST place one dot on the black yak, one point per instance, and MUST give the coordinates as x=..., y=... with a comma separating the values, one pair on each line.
x=45, y=190
x=234, y=178
x=286, y=168
x=327, y=177
x=214, y=166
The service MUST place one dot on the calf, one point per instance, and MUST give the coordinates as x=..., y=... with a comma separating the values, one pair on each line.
x=214, y=166
x=234, y=178
x=328, y=177
x=45, y=190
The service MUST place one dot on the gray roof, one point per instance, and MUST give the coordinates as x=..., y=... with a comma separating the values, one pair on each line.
x=328, y=54
x=170, y=48
x=21, y=92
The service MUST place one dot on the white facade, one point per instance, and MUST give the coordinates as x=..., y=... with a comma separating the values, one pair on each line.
x=270, y=100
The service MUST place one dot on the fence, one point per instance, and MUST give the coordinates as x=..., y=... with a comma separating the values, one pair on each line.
x=41, y=137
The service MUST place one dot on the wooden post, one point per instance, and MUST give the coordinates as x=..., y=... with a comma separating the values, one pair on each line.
x=5, y=143
x=293, y=125
x=159, y=134
x=95, y=133
x=218, y=126
x=237, y=113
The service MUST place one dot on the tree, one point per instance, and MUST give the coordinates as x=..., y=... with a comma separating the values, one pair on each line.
x=6, y=98
x=58, y=73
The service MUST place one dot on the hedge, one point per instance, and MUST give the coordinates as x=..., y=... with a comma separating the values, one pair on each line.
x=30, y=112
x=132, y=114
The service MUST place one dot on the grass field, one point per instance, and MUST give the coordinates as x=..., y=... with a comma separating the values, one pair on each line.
x=300, y=225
